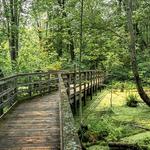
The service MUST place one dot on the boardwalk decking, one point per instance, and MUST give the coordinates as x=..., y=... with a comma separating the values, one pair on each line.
x=46, y=122
x=32, y=125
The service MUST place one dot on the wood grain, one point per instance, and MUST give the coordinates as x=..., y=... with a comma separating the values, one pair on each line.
x=32, y=125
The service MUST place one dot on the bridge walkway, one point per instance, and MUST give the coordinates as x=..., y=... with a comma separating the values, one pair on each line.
x=32, y=125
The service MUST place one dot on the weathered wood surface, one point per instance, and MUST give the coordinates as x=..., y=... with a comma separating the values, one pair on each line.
x=69, y=139
x=41, y=123
x=32, y=125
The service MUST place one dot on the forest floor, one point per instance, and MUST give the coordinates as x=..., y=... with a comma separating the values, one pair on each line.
x=116, y=123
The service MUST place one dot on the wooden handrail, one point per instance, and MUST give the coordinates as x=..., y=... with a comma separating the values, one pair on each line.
x=69, y=85
x=68, y=133
x=25, y=85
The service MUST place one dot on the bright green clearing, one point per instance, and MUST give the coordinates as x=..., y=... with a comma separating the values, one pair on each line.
x=122, y=123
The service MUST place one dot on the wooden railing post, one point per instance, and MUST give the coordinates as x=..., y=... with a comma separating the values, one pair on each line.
x=12, y=85
x=75, y=99
x=99, y=80
x=88, y=78
x=1, y=109
x=91, y=76
x=40, y=84
x=16, y=88
x=85, y=80
x=1, y=101
x=49, y=82
x=68, y=85
x=96, y=80
x=93, y=81
x=29, y=86
x=2, y=97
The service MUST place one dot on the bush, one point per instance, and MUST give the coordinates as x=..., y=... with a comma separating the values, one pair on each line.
x=132, y=100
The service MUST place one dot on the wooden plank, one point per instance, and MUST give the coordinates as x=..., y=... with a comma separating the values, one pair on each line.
x=37, y=125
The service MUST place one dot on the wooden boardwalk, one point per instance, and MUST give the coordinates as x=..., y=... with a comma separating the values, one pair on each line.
x=46, y=122
x=32, y=125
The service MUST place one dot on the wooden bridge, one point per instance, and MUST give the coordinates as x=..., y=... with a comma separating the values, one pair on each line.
x=36, y=109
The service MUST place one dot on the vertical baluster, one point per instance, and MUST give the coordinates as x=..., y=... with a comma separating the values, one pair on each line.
x=11, y=85
x=68, y=89
x=1, y=109
x=49, y=82
x=1, y=100
x=93, y=81
x=91, y=84
x=87, y=77
x=85, y=90
x=96, y=80
x=99, y=80
x=75, y=100
x=40, y=84
x=29, y=85
x=16, y=88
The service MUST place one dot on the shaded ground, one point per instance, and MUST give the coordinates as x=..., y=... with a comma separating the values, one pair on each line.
x=122, y=123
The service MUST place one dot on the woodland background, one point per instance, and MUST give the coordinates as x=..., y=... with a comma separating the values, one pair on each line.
x=45, y=35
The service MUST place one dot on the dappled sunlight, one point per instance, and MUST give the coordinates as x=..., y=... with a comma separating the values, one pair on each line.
x=117, y=100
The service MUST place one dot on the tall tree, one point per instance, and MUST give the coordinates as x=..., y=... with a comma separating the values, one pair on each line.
x=12, y=9
x=132, y=47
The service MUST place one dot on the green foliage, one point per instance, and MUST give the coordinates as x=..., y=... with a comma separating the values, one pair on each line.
x=132, y=100
x=122, y=123
x=128, y=85
x=47, y=31
x=5, y=62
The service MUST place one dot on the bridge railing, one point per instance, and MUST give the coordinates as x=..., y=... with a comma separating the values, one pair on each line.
x=91, y=81
x=23, y=86
x=68, y=133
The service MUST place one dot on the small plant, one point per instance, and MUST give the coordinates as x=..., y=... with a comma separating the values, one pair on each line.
x=122, y=88
x=132, y=100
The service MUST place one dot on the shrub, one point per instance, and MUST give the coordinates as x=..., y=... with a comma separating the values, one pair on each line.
x=131, y=100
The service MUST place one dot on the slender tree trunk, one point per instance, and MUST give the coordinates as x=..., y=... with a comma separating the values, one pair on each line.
x=12, y=13
x=38, y=24
x=80, y=59
x=59, y=43
x=14, y=29
x=70, y=46
x=132, y=47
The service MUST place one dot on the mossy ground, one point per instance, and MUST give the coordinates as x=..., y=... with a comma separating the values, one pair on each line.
x=122, y=123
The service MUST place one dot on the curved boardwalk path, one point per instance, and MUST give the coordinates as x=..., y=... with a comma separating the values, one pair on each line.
x=32, y=125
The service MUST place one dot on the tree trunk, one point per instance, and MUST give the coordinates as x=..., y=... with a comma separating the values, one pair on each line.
x=132, y=47
x=12, y=13
x=14, y=31
x=70, y=46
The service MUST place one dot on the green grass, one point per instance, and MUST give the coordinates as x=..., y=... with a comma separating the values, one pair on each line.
x=123, y=123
